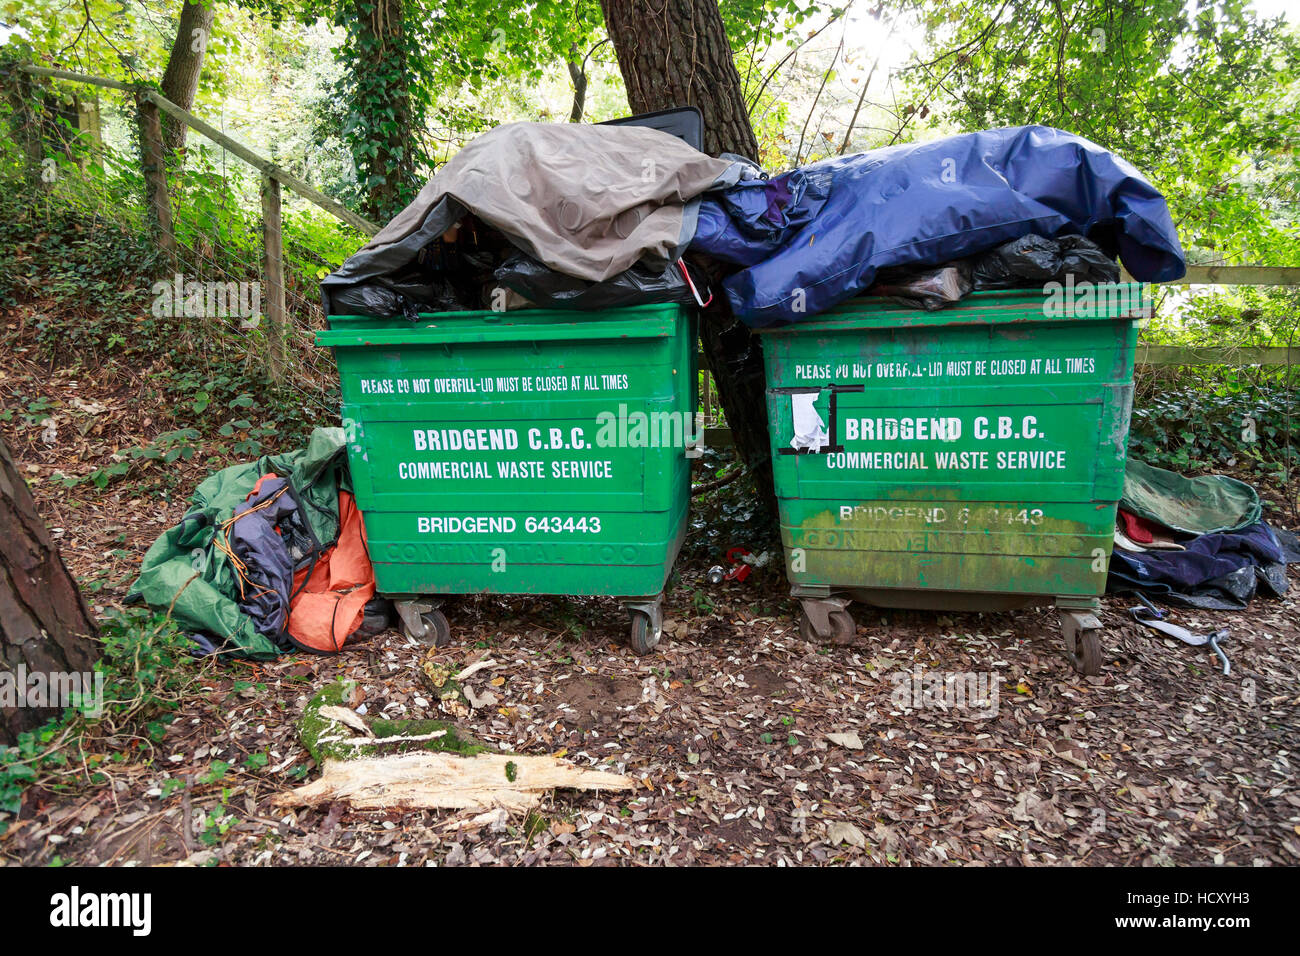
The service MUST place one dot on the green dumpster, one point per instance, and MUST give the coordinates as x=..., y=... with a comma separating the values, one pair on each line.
x=529, y=452
x=969, y=458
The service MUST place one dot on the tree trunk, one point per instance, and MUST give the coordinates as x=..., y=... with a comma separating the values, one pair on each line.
x=45, y=626
x=578, y=74
x=676, y=53
x=389, y=167
x=734, y=355
x=180, y=81
x=25, y=122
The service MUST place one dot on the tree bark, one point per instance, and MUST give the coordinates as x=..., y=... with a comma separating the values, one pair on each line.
x=676, y=53
x=45, y=626
x=25, y=122
x=380, y=26
x=180, y=80
x=734, y=356
x=153, y=163
x=578, y=74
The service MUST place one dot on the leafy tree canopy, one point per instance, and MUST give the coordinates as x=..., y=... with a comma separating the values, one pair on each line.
x=1199, y=94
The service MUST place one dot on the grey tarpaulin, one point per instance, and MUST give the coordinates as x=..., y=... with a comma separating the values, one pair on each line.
x=588, y=201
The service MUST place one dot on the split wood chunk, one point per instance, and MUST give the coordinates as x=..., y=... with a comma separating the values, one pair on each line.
x=420, y=781
x=475, y=668
x=347, y=717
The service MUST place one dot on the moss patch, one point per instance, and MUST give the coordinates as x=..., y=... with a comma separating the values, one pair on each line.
x=326, y=738
x=313, y=726
x=455, y=739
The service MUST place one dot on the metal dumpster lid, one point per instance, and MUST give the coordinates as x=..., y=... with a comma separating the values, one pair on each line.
x=525, y=325
x=1107, y=302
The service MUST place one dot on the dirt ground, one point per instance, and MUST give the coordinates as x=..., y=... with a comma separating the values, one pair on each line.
x=751, y=745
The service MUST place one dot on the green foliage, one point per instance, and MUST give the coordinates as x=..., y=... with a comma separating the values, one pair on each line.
x=167, y=448
x=21, y=764
x=728, y=515
x=404, y=62
x=257, y=761
x=146, y=669
x=1199, y=95
x=103, y=37
x=95, y=280
x=216, y=772
x=755, y=26
x=702, y=603
x=1231, y=316
x=1201, y=427
x=217, y=821
x=144, y=663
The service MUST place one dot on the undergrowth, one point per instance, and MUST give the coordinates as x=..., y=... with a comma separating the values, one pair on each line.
x=144, y=674
x=87, y=288
x=1219, y=420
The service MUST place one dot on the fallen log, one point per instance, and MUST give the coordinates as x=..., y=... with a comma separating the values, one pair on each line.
x=427, y=781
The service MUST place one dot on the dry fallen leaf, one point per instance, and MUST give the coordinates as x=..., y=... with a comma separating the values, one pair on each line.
x=486, y=699
x=841, y=831
x=1046, y=818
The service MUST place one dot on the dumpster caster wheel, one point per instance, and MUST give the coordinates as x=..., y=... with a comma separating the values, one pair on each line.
x=1083, y=642
x=644, y=637
x=842, y=628
x=1086, y=655
x=435, y=631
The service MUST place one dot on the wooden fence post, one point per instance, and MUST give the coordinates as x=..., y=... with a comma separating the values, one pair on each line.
x=273, y=270
x=158, y=209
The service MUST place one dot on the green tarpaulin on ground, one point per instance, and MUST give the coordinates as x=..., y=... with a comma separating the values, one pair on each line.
x=1204, y=505
x=183, y=572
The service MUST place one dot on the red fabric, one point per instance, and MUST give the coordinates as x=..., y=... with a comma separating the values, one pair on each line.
x=1138, y=529
x=332, y=605
x=269, y=476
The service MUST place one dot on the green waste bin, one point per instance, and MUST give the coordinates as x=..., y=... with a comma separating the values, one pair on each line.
x=970, y=458
x=529, y=452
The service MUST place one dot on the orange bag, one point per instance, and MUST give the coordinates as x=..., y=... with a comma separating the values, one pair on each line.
x=331, y=605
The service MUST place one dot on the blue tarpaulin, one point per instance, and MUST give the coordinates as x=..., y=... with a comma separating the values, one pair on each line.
x=813, y=237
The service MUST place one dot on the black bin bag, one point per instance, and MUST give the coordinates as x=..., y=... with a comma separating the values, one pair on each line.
x=1033, y=261
x=548, y=289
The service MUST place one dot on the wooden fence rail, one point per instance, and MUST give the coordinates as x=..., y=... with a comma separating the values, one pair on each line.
x=260, y=163
x=1240, y=275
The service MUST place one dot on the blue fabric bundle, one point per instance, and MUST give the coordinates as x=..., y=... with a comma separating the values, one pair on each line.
x=816, y=236
x=1216, y=571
